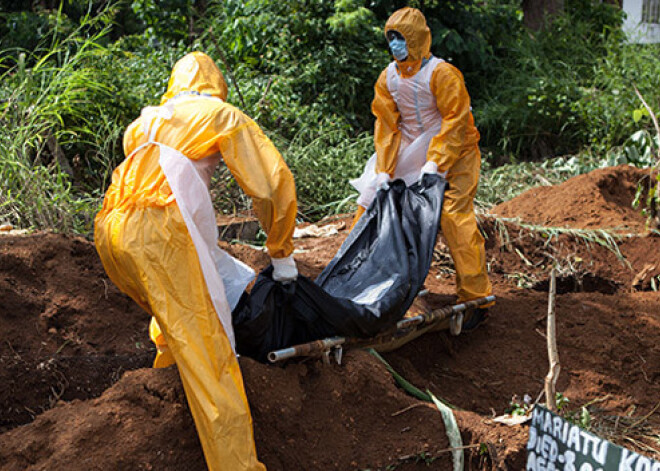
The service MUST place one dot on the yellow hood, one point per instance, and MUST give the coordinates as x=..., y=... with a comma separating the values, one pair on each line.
x=196, y=72
x=410, y=22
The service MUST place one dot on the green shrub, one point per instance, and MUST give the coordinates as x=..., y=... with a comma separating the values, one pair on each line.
x=322, y=58
x=606, y=108
x=531, y=108
x=25, y=30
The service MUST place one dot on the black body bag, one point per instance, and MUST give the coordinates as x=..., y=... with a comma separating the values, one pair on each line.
x=367, y=287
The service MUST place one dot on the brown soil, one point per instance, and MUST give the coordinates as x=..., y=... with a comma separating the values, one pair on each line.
x=314, y=416
x=600, y=199
x=71, y=336
x=305, y=417
x=69, y=339
x=67, y=331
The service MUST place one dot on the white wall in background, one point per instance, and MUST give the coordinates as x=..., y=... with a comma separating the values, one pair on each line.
x=643, y=22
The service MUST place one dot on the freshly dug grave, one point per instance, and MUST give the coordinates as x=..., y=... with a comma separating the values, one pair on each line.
x=607, y=343
x=314, y=416
x=601, y=199
x=311, y=416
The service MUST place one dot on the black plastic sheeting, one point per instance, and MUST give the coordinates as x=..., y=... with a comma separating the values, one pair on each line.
x=367, y=287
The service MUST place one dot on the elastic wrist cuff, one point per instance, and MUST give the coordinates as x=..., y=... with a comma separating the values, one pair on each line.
x=283, y=262
x=383, y=176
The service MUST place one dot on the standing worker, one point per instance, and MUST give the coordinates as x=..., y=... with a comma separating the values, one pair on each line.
x=157, y=238
x=424, y=124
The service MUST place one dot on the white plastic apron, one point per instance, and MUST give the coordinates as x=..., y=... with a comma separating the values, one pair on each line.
x=226, y=278
x=420, y=122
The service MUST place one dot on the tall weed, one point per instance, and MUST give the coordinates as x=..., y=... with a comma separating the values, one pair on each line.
x=323, y=167
x=43, y=107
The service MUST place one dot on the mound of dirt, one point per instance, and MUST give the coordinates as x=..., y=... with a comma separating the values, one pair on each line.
x=141, y=423
x=607, y=347
x=315, y=416
x=56, y=297
x=586, y=264
x=305, y=417
x=67, y=332
x=71, y=336
x=601, y=199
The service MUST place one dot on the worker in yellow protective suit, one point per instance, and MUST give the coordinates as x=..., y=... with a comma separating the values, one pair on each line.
x=157, y=238
x=424, y=124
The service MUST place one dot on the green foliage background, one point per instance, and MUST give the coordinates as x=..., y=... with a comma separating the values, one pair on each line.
x=76, y=72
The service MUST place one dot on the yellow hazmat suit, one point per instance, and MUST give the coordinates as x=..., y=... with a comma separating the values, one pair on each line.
x=157, y=239
x=424, y=123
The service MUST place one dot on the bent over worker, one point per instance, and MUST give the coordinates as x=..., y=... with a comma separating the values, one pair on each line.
x=157, y=238
x=424, y=124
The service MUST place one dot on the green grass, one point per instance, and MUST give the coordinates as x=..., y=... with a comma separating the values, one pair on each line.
x=43, y=107
x=79, y=89
x=503, y=183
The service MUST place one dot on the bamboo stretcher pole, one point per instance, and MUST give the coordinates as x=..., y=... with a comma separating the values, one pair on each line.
x=318, y=347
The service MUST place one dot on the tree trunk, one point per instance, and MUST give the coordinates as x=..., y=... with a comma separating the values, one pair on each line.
x=538, y=13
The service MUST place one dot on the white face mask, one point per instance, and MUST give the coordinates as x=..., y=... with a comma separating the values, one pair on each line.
x=399, y=49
